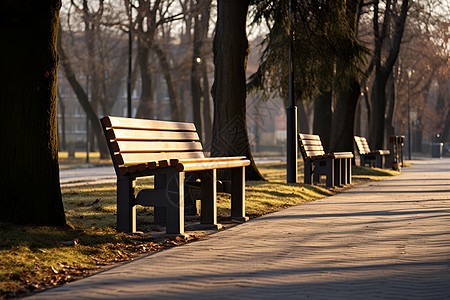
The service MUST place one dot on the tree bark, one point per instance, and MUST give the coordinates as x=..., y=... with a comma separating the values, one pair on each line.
x=343, y=124
x=174, y=102
x=383, y=67
x=323, y=118
x=231, y=50
x=30, y=190
x=303, y=120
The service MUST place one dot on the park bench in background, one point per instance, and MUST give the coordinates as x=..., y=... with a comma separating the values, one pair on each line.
x=335, y=166
x=368, y=157
x=168, y=151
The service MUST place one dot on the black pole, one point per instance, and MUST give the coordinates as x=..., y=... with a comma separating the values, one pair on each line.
x=291, y=113
x=130, y=48
x=87, y=122
x=409, y=119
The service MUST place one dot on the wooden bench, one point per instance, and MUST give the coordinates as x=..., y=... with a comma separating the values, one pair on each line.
x=368, y=157
x=168, y=151
x=336, y=166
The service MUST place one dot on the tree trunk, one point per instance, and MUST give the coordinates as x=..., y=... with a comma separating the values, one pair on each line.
x=390, y=130
x=146, y=103
x=82, y=99
x=342, y=128
x=384, y=66
x=303, y=120
x=231, y=50
x=30, y=190
x=378, y=97
x=323, y=118
x=173, y=98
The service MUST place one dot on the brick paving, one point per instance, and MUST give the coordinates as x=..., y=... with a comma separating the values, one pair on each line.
x=384, y=240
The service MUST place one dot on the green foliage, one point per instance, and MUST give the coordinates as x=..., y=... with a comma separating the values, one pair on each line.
x=326, y=51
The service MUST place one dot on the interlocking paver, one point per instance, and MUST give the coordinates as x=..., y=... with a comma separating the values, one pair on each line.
x=385, y=240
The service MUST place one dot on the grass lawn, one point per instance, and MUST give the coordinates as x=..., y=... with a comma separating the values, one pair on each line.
x=34, y=258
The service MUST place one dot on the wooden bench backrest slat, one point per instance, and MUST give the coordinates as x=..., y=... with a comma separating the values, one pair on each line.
x=363, y=146
x=139, y=141
x=128, y=123
x=310, y=145
x=139, y=158
x=144, y=146
x=146, y=135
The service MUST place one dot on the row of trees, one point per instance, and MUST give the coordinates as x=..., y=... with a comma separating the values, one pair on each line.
x=340, y=46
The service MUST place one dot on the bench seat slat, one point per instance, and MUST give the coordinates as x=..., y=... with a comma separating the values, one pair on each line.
x=174, y=162
x=144, y=135
x=121, y=122
x=138, y=158
x=144, y=146
x=340, y=155
x=191, y=167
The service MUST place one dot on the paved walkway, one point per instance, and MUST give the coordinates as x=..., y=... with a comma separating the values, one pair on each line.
x=385, y=240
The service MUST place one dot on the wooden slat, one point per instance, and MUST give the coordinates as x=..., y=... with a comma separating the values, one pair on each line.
x=314, y=153
x=313, y=148
x=132, y=123
x=191, y=167
x=342, y=155
x=144, y=146
x=138, y=158
x=311, y=142
x=151, y=135
x=174, y=162
x=309, y=136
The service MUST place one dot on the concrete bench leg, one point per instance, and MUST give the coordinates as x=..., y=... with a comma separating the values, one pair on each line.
x=126, y=208
x=362, y=160
x=337, y=172
x=329, y=172
x=348, y=171
x=308, y=172
x=175, y=202
x=238, y=194
x=379, y=161
x=208, y=213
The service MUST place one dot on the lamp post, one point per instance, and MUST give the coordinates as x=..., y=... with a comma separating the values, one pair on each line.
x=409, y=72
x=291, y=114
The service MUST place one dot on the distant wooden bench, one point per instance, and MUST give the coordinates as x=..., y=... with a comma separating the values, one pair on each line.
x=336, y=166
x=368, y=157
x=167, y=151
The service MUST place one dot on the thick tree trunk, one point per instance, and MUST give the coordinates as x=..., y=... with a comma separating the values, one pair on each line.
x=303, y=119
x=173, y=98
x=323, y=118
x=384, y=66
x=376, y=126
x=29, y=176
x=146, y=103
x=83, y=99
x=390, y=130
x=342, y=128
x=231, y=50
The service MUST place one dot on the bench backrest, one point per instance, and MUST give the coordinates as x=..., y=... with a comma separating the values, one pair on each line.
x=137, y=141
x=310, y=145
x=361, y=143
